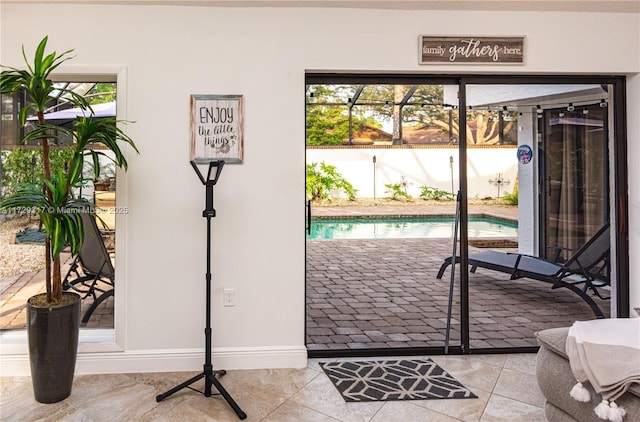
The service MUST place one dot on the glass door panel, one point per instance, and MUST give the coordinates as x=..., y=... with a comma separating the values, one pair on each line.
x=371, y=284
x=552, y=184
x=575, y=177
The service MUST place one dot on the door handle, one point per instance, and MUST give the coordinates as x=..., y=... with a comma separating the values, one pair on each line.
x=622, y=214
x=308, y=217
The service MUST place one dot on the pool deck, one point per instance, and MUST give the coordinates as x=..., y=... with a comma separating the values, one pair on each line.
x=15, y=290
x=415, y=208
x=384, y=294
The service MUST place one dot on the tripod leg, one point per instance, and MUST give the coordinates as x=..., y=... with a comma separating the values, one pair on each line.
x=213, y=380
x=177, y=388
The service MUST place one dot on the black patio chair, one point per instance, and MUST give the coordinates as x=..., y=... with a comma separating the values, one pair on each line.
x=91, y=273
x=587, y=266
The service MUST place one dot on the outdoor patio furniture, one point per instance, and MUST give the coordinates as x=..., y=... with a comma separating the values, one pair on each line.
x=91, y=273
x=587, y=267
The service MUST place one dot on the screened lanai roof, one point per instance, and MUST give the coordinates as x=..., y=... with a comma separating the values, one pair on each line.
x=531, y=95
x=372, y=94
x=97, y=110
x=62, y=93
x=477, y=95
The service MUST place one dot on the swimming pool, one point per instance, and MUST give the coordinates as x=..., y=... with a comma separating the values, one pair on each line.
x=408, y=227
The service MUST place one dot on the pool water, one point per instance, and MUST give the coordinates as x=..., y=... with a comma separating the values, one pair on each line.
x=404, y=228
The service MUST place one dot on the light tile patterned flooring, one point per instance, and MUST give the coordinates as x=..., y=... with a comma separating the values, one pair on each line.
x=505, y=386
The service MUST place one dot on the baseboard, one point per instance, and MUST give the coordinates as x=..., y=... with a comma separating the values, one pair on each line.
x=177, y=360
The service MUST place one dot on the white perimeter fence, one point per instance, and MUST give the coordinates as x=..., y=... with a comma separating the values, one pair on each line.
x=422, y=167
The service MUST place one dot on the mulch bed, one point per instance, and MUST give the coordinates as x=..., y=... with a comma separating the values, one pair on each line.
x=493, y=243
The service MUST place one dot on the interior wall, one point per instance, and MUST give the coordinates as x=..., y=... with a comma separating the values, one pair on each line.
x=171, y=52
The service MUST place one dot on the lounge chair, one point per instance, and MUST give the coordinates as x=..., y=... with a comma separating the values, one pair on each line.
x=587, y=266
x=91, y=273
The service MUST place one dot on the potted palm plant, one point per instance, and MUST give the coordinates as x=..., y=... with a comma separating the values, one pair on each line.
x=53, y=317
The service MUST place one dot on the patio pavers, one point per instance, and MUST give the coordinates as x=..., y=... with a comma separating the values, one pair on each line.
x=19, y=288
x=415, y=207
x=383, y=293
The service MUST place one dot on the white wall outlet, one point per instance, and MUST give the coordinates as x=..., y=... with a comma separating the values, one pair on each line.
x=229, y=297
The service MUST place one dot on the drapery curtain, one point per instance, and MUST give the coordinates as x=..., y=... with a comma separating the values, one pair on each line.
x=578, y=175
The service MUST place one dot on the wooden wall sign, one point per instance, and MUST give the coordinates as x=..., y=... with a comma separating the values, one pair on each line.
x=471, y=49
x=217, y=128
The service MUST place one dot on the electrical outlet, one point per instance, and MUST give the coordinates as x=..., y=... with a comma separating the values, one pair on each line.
x=229, y=297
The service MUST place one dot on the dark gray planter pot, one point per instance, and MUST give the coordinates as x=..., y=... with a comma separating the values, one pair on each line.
x=53, y=347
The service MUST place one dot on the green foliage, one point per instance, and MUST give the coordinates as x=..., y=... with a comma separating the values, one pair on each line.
x=35, y=81
x=322, y=179
x=55, y=205
x=378, y=104
x=398, y=190
x=423, y=98
x=427, y=192
x=330, y=125
x=89, y=133
x=58, y=212
x=23, y=166
x=326, y=126
x=102, y=92
x=327, y=121
x=511, y=198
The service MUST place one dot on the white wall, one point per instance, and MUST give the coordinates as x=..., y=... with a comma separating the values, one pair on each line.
x=528, y=187
x=168, y=53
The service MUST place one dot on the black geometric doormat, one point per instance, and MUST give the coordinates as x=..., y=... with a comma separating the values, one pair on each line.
x=394, y=380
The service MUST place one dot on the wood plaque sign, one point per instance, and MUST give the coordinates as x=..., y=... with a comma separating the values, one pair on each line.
x=471, y=49
x=216, y=128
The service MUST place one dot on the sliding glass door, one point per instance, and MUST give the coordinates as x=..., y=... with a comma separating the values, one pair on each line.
x=561, y=181
x=538, y=166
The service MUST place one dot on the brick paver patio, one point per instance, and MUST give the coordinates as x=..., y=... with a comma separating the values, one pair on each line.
x=383, y=293
x=17, y=289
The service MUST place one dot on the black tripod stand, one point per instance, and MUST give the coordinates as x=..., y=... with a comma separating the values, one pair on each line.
x=208, y=374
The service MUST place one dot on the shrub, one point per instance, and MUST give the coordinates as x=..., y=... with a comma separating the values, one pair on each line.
x=322, y=179
x=23, y=166
x=427, y=192
x=398, y=190
x=511, y=198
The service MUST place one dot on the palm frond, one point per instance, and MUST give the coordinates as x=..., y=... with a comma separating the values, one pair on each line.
x=35, y=79
x=59, y=211
x=104, y=132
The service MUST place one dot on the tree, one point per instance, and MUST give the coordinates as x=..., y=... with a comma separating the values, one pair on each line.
x=102, y=92
x=328, y=117
x=327, y=125
x=401, y=105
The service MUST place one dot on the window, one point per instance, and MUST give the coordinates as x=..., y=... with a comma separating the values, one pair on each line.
x=21, y=164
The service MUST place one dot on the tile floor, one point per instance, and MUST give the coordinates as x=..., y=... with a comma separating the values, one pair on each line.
x=505, y=386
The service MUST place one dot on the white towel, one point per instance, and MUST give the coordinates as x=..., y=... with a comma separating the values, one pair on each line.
x=606, y=353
